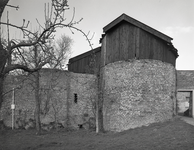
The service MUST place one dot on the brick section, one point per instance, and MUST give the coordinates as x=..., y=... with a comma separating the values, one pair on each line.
x=185, y=79
x=137, y=93
x=57, y=97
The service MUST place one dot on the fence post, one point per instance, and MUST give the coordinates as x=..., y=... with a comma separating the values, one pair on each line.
x=13, y=109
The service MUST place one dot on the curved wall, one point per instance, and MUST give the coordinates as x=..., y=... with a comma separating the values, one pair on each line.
x=137, y=93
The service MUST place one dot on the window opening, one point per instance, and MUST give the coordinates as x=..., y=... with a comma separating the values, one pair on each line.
x=75, y=98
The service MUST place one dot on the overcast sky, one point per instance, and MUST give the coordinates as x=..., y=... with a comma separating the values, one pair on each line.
x=174, y=18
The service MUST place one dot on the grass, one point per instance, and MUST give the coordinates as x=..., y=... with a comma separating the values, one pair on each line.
x=170, y=135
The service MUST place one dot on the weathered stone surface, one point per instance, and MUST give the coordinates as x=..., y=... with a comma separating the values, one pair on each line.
x=86, y=89
x=185, y=79
x=57, y=97
x=135, y=93
x=138, y=92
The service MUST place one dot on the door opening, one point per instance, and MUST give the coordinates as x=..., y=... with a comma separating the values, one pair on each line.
x=185, y=103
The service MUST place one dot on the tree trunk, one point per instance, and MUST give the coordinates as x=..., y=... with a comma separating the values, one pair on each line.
x=37, y=99
x=3, y=3
x=99, y=114
x=3, y=55
x=1, y=89
x=99, y=105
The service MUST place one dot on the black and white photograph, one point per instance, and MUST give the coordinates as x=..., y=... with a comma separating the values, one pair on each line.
x=96, y=74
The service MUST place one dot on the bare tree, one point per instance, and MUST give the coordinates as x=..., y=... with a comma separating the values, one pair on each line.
x=56, y=54
x=61, y=52
x=14, y=53
x=54, y=18
x=52, y=104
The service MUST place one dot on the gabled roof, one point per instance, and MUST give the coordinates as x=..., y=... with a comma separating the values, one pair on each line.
x=83, y=55
x=136, y=23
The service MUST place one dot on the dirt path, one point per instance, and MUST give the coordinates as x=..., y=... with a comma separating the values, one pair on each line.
x=188, y=120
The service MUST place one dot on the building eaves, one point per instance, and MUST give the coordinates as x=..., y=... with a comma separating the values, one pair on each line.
x=83, y=55
x=138, y=24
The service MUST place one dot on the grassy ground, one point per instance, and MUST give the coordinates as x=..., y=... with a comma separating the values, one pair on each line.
x=170, y=135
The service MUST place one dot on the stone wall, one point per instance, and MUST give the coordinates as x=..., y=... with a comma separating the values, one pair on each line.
x=85, y=87
x=135, y=93
x=185, y=79
x=138, y=92
x=57, y=89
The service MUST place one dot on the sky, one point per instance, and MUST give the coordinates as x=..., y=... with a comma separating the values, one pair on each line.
x=174, y=18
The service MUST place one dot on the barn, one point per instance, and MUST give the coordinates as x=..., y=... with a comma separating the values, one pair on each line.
x=137, y=75
x=86, y=62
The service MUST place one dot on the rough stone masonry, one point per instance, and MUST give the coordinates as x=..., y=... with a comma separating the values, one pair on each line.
x=138, y=92
x=57, y=94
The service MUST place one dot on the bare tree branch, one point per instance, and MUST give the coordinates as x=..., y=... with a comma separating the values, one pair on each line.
x=44, y=34
x=16, y=7
x=18, y=66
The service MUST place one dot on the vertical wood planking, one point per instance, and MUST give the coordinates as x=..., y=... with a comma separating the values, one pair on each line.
x=152, y=50
x=137, y=43
x=156, y=48
x=171, y=58
x=116, y=47
x=108, y=49
x=81, y=64
x=76, y=66
x=165, y=55
x=124, y=41
x=132, y=40
x=103, y=51
x=142, y=45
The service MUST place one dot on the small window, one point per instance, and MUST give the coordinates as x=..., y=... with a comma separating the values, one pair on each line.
x=75, y=98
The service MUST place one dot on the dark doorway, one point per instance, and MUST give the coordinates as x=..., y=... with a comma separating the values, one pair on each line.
x=184, y=103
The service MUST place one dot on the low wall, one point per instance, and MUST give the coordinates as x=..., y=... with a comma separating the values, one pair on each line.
x=57, y=93
x=185, y=79
x=137, y=93
x=85, y=87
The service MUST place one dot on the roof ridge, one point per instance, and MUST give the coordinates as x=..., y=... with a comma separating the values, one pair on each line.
x=124, y=17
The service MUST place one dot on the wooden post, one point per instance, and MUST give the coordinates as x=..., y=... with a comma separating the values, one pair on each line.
x=99, y=102
x=13, y=109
